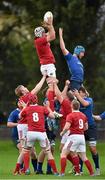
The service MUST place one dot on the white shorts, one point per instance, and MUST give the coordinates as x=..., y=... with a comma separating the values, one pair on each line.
x=49, y=69
x=75, y=143
x=65, y=137
x=32, y=136
x=22, y=131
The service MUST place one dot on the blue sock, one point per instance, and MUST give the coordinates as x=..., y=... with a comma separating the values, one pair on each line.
x=34, y=163
x=81, y=165
x=39, y=166
x=48, y=168
x=96, y=160
x=21, y=166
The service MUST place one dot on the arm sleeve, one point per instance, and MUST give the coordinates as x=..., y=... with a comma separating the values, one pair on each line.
x=68, y=56
x=102, y=115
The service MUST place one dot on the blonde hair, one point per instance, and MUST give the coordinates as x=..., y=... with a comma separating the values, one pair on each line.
x=75, y=104
x=18, y=91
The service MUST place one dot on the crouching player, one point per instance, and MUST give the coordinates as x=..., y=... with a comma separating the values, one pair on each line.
x=34, y=114
x=77, y=123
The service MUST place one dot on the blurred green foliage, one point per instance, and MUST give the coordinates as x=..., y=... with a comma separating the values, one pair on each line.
x=83, y=22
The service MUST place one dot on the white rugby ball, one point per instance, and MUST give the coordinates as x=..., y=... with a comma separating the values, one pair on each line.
x=47, y=15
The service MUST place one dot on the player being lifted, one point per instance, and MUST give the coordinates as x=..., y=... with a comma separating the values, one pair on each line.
x=42, y=44
x=73, y=61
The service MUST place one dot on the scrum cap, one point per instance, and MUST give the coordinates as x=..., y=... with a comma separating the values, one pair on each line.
x=79, y=49
x=39, y=31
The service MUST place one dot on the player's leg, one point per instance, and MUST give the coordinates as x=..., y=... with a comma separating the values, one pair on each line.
x=45, y=144
x=33, y=158
x=92, y=131
x=41, y=158
x=87, y=162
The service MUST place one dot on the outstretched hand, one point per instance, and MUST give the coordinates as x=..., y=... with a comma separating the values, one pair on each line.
x=60, y=31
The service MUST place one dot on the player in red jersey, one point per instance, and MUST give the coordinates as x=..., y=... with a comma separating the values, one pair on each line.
x=65, y=99
x=22, y=127
x=76, y=122
x=34, y=115
x=24, y=93
x=42, y=44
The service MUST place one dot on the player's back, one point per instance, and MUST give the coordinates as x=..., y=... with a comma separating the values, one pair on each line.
x=77, y=120
x=35, y=114
x=65, y=109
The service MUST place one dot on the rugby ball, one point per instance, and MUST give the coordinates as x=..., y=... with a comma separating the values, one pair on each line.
x=47, y=15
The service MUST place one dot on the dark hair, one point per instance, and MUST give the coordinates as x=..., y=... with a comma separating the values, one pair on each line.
x=82, y=89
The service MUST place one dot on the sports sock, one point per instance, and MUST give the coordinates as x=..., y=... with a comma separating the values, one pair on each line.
x=75, y=161
x=39, y=166
x=26, y=159
x=17, y=168
x=81, y=165
x=53, y=165
x=48, y=167
x=96, y=160
x=63, y=164
x=34, y=163
x=89, y=166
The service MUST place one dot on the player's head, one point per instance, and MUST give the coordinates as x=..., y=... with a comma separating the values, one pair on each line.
x=83, y=92
x=79, y=51
x=70, y=95
x=33, y=99
x=21, y=90
x=39, y=31
x=75, y=104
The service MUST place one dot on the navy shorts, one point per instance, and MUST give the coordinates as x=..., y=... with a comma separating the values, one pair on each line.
x=74, y=85
x=91, y=133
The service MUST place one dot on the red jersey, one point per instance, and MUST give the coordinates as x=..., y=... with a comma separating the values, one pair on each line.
x=65, y=110
x=35, y=117
x=44, y=51
x=50, y=97
x=25, y=97
x=77, y=121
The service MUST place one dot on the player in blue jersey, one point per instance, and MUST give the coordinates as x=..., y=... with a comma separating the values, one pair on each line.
x=74, y=64
x=86, y=106
x=99, y=117
x=12, y=123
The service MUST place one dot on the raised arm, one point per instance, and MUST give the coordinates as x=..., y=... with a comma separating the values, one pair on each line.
x=39, y=85
x=64, y=92
x=81, y=100
x=51, y=31
x=62, y=44
x=58, y=92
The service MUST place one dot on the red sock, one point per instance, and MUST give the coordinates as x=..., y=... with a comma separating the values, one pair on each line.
x=75, y=161
x=26, y=159
x=63, y=165
x=89, y=166
x=17, y=168
x=69, y=157
x=53, y=165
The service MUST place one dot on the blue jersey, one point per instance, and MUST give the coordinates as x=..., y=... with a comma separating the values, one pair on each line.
x=13, y=117
x=88, y=110
x=102, y=115
x=75, y=67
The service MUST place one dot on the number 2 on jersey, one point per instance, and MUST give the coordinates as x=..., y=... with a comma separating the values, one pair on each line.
x=35, y=117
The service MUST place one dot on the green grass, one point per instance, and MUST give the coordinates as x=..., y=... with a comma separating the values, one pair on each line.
x=9, y=154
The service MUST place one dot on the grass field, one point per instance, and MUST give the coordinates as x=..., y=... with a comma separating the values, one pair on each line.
x=9, y=154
